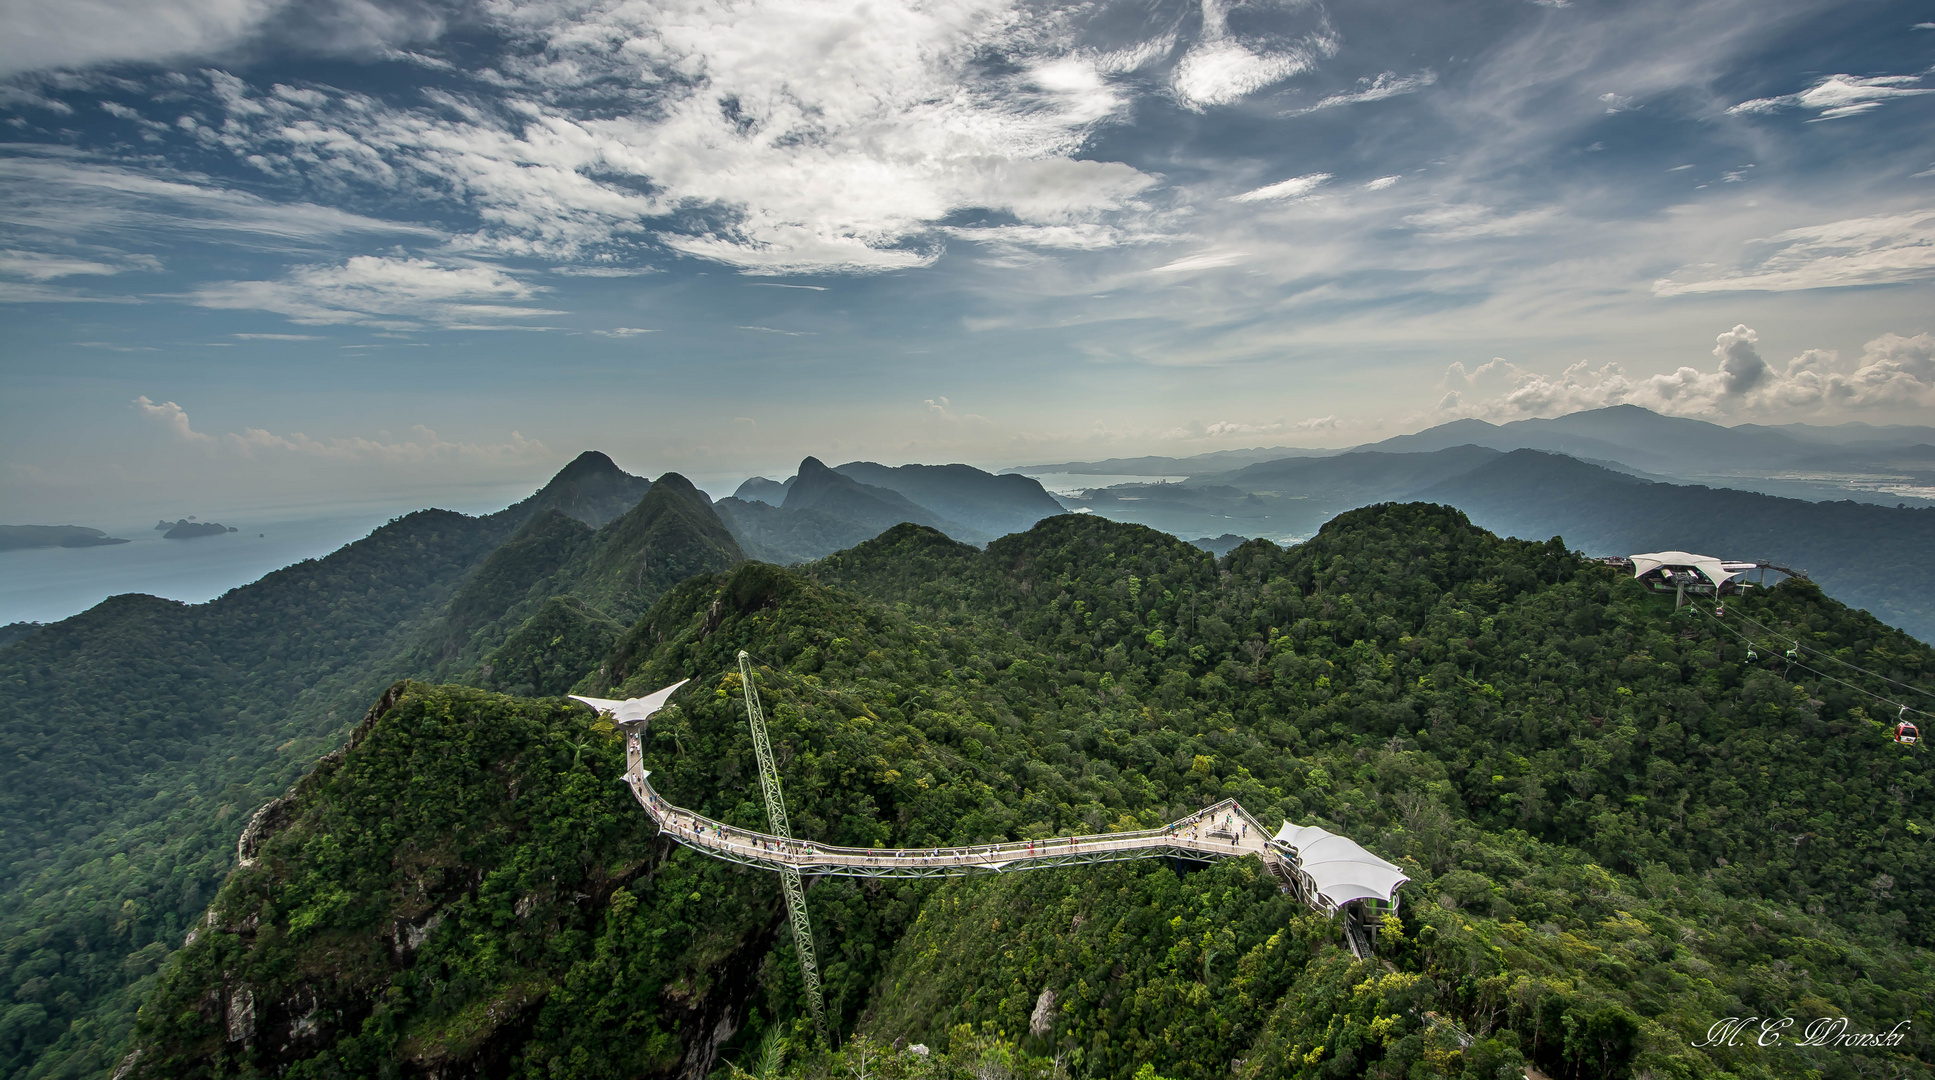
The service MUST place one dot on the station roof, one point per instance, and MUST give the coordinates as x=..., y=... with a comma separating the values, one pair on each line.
x=1341, y=870
x=1713, y=569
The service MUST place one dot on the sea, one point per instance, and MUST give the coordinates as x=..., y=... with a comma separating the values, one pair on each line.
x=1073, y=484
x=49, y=584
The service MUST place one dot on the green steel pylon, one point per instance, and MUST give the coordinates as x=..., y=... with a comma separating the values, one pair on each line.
x=789, y=877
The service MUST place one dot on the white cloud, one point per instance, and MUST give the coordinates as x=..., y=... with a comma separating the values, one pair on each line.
x=1293, y=188
x=1839, y=95
x=1893, y=371
x=172, y=417
x=1858, y=251
x=251, y=442
x=1381, y=183
x=389, y=293
x=1221, y=68
x=1467, y=221
x=624, y=332
x=44, y=190
x=72, y=33
x=1208, y=260
x=45, y=266
x=1386, y=85
x=768, y=136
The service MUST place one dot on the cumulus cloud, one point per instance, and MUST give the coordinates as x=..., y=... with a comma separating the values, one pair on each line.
x=426, y=446
x=1222, y=67
x=388, y=293
x=1892, y=371
x=1882, y=250
x=1839, y=95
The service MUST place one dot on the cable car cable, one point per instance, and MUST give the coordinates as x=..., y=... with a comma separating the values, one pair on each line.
x=1821, y=674
x=1790, y=639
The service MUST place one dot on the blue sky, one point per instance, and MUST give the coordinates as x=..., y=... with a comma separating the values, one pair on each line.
x=265, y=251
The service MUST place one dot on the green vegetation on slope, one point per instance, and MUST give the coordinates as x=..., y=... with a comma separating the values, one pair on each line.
x=141, y=734
x=1868, y=556
x=1617, y=837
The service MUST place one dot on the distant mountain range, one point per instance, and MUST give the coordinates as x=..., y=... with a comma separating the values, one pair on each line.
x=820, y=510
x=1885, y=465
x=1867, y=555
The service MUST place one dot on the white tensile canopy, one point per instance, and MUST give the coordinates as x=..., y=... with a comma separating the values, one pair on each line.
x=1714, y=570
x=1341, y=870
x=633, y=710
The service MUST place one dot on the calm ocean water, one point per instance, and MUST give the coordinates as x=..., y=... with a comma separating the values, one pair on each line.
x=49, y=584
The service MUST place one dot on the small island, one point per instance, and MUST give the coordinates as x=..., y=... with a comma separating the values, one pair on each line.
x=17, y=537
x=186, y=529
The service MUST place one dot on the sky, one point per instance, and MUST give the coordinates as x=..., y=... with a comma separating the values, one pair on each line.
x=261, y=252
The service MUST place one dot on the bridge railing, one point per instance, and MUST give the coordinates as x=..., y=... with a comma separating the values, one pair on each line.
x=1219, y=831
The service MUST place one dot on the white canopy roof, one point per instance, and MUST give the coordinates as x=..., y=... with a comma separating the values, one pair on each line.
x=1341, y=870
x=633, y=710
x=1715, y=570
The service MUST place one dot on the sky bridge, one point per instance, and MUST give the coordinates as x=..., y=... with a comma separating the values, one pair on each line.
x=1331, y=874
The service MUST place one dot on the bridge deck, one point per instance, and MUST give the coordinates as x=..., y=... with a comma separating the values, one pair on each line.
x=1222, y=831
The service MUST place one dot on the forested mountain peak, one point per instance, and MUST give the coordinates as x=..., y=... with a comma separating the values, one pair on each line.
x=672, y=534
x=1619, y=829
x=592, y=489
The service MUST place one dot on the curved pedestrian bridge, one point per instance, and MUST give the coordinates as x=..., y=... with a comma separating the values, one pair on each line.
x=1222, y=831
x=1328, y=872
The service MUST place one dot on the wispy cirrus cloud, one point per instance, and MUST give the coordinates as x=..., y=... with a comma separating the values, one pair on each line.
x=1839, y=96
x=1886, y=250
x=1294, y=188
x=52, y=191
x=387, y=293
x=50, y=266
x=426, y=446
x=1388, y=84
